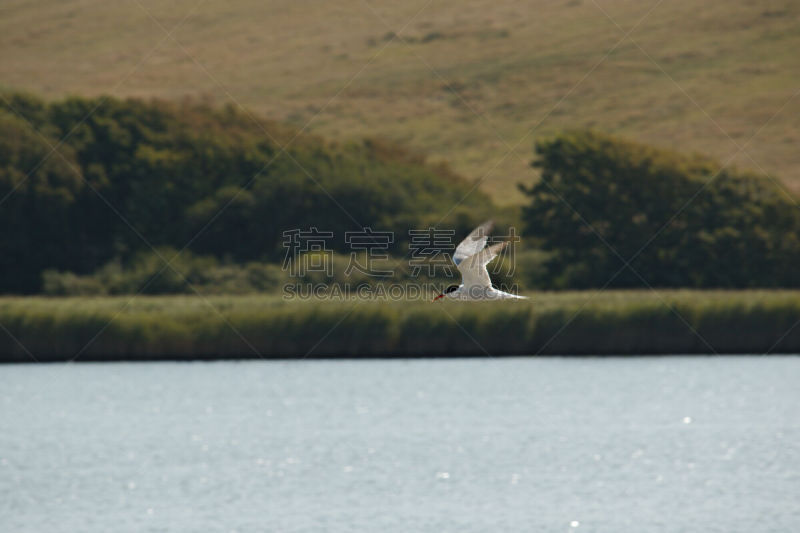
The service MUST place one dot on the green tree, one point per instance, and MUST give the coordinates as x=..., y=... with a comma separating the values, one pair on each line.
x=186, y=173
x=679, y=220
x=38, y=188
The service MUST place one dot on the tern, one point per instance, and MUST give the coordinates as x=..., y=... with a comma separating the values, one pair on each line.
x=471, y=258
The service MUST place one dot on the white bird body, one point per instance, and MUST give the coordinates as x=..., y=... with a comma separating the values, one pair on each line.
x=471, y=258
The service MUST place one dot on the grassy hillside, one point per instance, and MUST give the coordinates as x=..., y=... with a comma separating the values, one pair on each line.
x=511, y=61
x=611, y=322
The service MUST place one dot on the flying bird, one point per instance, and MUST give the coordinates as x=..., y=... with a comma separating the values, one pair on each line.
x=471, y=258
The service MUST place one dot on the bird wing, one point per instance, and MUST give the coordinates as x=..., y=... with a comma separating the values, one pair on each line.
x=474, y=242
x=473, y=268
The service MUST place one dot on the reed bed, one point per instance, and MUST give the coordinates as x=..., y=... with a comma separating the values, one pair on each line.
x=567, y=323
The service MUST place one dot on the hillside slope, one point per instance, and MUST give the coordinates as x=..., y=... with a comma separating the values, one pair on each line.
x=708, y=70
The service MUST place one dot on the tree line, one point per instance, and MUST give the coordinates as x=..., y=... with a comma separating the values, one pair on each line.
x=131, y=174
x=89, y=186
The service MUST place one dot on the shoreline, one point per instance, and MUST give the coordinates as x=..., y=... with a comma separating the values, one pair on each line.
x=614, y=323
x=377, y=358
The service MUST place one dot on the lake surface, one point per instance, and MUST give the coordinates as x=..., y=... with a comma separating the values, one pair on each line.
x=483, y=445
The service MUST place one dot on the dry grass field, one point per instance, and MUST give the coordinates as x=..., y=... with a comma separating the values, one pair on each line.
x=462, y=81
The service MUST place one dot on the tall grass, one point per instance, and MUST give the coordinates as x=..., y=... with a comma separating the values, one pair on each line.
x=621, y=322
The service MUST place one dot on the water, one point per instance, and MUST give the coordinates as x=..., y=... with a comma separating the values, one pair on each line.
x=483, y=445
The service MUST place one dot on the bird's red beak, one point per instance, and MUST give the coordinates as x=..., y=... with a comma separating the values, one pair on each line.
x=440, y=296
